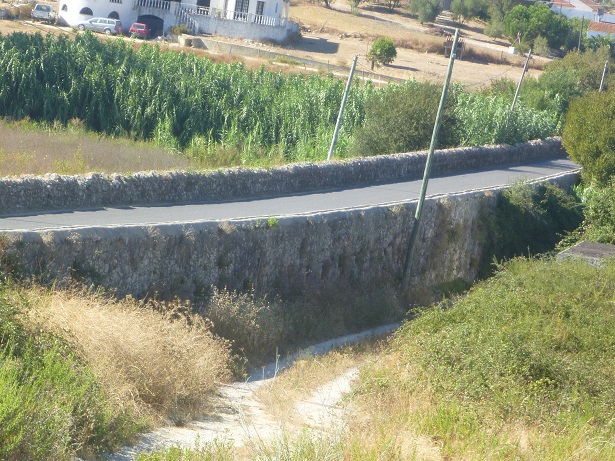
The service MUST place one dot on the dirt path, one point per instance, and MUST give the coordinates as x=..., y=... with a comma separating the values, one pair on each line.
x=241, y=417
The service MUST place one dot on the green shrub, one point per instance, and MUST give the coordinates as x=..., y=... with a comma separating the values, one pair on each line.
x=532, y=218
x=589, y=137
x=383, y=51
x=401, y=119
x=599, y=211
x=534, y=344
x=486, y=119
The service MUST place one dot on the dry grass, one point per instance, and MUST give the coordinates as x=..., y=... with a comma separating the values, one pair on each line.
x=26, y=150
x=299, y=381
x=161, y=369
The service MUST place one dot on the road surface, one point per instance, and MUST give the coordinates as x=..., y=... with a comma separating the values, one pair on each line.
x=281, y=206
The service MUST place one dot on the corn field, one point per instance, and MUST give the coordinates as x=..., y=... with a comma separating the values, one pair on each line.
x=175, y=98
x=197, y=106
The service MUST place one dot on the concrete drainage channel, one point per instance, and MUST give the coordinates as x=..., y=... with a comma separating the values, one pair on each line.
x=240, y=417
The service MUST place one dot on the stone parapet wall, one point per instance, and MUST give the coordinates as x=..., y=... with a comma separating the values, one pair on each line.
x=294, y=254
x=52, y=191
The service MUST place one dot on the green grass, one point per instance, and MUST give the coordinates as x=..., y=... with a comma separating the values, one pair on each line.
x=520, y=368
x=530, y=351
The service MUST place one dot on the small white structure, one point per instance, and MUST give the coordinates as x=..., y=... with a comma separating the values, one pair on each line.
x=252, y=19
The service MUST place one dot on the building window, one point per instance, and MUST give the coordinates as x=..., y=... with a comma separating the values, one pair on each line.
x=115, y=1
x=114, y=15
x=86, y=11
x=241, y=6
x=64, y=7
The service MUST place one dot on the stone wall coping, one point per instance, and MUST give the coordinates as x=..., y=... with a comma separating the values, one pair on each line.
x=54, y=192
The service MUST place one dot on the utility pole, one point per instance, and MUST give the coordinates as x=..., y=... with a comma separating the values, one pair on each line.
x=606, y=66
x=512, y=106
x=427, y=172
x=338, y=124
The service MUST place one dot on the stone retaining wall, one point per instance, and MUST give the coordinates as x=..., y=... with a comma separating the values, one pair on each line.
x=295, y=254
x=54, y=191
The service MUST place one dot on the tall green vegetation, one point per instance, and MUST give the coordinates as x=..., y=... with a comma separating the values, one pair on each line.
x=588, y=135
x=221, y=110
x=487, y=119
x=401, y=119
x=174, y=98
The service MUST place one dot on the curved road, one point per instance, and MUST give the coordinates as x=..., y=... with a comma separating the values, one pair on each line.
x=282, y=206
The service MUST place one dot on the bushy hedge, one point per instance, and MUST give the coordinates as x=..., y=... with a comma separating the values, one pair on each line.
x=530, y=219
x=589, y=137
x=401, y=119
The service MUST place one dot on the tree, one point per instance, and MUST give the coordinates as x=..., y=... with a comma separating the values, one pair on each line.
x=354, y=6
x=529, y=22
x=400, y=118
x=589, y=137
x=383, y=51
x=393, y=4
x=469, y=9
x=427, y=10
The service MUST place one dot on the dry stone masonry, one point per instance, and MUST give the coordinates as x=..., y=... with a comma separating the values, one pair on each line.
x=307, y=253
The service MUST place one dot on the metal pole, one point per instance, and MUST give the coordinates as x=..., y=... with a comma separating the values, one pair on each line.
x=606, y=66
x=427, y=172
x=512, y=106
x=338, y=124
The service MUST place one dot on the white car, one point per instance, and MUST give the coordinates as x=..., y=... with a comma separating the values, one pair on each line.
x=43, y=12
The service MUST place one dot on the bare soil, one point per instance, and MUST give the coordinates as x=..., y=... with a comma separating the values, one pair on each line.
x=254, y=414
x=334, y=36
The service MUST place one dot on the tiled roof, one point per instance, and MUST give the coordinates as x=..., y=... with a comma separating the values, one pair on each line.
x=593, y=5
x=562, y=4
x=602, y=27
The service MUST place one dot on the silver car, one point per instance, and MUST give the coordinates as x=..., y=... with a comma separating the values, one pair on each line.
x=107, y=25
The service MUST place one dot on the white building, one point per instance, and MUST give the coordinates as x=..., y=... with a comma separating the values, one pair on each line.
x=253, y=19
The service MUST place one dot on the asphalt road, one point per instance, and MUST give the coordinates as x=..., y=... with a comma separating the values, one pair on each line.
x=281, y=206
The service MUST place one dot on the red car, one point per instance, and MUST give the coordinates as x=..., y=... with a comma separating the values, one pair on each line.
x=139, y=30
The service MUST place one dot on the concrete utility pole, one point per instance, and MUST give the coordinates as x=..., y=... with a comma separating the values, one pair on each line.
x=512, y=106
x=606, y=66
x=427, y=172
x=338, y=124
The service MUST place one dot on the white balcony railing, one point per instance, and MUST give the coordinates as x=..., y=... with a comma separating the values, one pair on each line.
x=229, y=15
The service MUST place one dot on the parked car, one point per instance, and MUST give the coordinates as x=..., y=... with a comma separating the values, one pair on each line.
x=108, y=26
x=140, y=30
x=43, y=12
